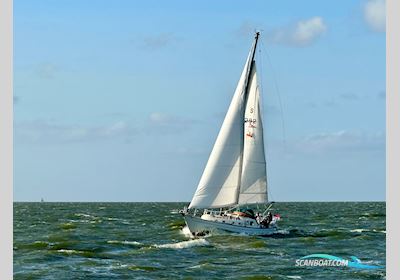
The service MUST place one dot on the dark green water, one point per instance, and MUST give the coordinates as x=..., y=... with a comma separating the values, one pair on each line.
x=146, y=241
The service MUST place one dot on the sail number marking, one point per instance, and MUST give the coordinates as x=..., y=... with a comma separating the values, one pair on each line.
x=250, y=120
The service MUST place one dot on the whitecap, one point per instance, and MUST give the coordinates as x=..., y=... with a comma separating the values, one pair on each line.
x=196, y=266
x=283, y=231
x=294, y=277
x=382, y=231
x=67, y=251
x=358, y=230
x=112, y=219
x=184, y=244
x=125, y=242
x=84, y=215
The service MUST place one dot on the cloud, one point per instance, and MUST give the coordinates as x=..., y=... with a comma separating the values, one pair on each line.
x=342, y=141
x=50, y=132
x=311, y=104
x=158, y=41
x=44, y=132
x=160, y=118
x=349, y=96
x=166, y=123
x=330, y=103
x=115, y=128
x=336, y=100
x=246, y=29
x=299, y=34
x=47, y=70
x=375, y=15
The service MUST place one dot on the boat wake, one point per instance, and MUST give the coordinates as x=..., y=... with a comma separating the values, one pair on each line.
x=184, y=244
x=323, y=233
x=186, y=232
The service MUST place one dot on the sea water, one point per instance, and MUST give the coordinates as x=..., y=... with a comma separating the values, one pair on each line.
x=150, y=241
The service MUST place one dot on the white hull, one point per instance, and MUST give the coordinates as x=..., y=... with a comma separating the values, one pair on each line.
x=197, y=226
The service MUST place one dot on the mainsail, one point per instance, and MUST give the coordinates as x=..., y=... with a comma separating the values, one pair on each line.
x=235, y=171
x=253, y=187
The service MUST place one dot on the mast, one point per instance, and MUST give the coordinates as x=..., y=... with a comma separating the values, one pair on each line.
x=252, y=62
x=220, y=184
x=254, y=50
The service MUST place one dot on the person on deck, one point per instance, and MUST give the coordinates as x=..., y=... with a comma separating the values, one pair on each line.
x=258, y=218
x=267, y=220
x=269, y=217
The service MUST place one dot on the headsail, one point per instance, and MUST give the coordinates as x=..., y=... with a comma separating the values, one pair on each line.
x=220, y=184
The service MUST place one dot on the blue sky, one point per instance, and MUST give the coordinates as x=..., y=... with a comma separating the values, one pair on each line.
x=123, y=100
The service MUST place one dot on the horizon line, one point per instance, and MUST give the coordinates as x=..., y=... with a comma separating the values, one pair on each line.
x=298, y=201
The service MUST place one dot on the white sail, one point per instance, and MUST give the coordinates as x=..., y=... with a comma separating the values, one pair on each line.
x=218, y=186
x=253, y=187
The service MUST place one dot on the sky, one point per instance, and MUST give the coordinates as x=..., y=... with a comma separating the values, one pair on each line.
x=123, y=100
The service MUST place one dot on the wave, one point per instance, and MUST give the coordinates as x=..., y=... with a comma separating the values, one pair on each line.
x=125, y=242
x=113, y=219
x=142, y=267
x=359, y=230
x=85, y=253
x=69, y=251
x=184, y=244
x=67, y=226
x=37, y=245
x=85, y=215
x=283, y=231
x=322, y=233
x=177, y=224
x=295, y=233
x=288, y=233
x=372, y=215
x=257, y=244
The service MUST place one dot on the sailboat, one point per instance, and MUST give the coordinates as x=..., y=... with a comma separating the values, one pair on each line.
x=234, y=180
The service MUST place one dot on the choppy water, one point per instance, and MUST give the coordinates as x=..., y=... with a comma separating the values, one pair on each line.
x=149, y=241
